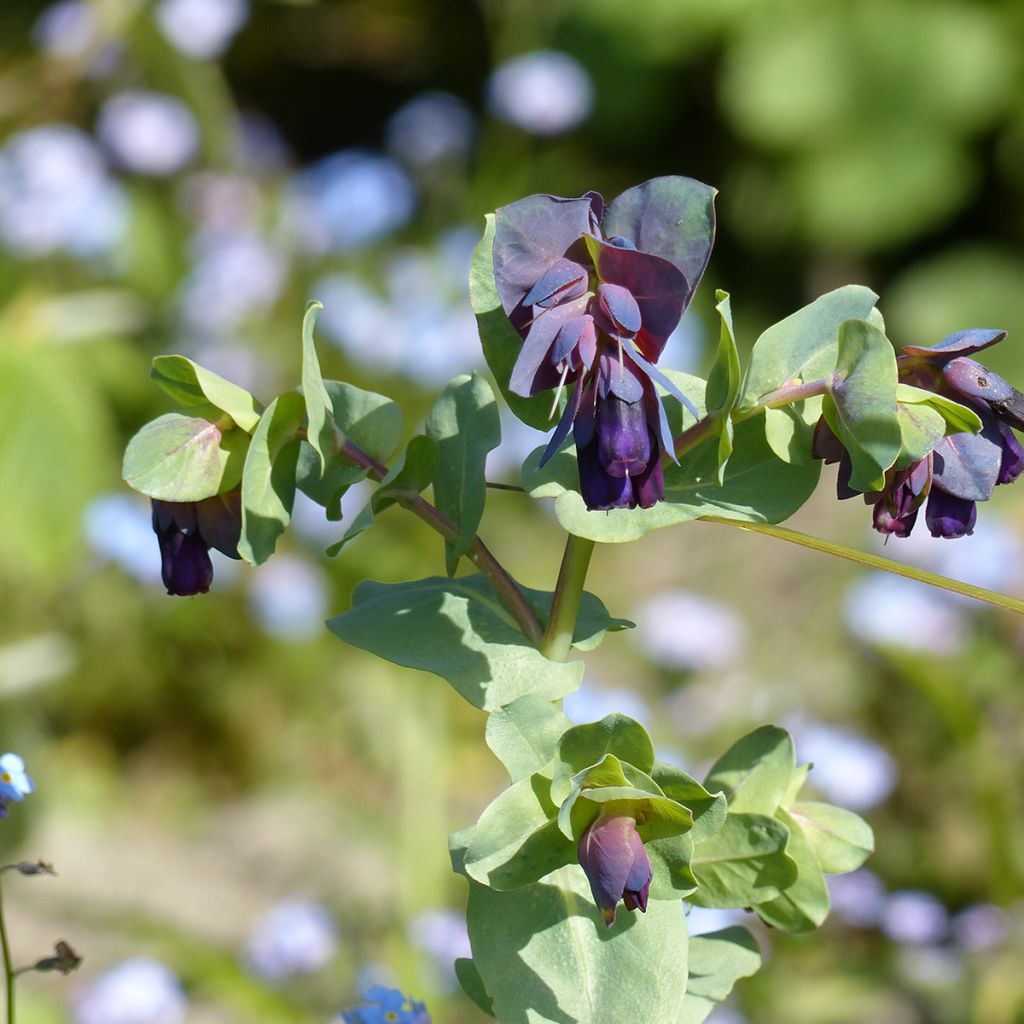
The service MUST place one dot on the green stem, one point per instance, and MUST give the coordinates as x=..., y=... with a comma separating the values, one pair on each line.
x=786, y=395
x=478, y=553
x=566, y=603
x=1011, y=604
x=5, y=946
x=697, y=434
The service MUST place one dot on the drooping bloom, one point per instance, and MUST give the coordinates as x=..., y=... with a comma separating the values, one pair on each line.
x=187, y=530
x=595, y=292
x=387, y=1006
x=613, y=857
x=961, y=469
x=15, y=784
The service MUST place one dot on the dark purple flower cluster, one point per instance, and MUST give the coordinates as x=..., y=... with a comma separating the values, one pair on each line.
x=616, y=864
x=595, y=293
x=962, y=469
x=187, y=530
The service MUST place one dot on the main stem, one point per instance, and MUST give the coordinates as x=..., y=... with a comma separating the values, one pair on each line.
x=565, y=606
x=478, y=552
x=5, y=946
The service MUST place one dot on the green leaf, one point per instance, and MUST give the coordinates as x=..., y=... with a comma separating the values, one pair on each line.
x=802, y=906
x=724, y=383
x=672, y=876
x=789, y=430
x=473, y=985
x=860, y=406
x=457, y=629
x=841, y=839
x=268, y=481
x=193, y=386
x=743, y=863
x=501, y=343
x=545, y=956
x=524, y=735
x=708, y=809
x=319, y=414
x=921, y=426
x=586, y=745
x=717, y=961
x=464, y=423
x=758, y=486
x=803, y=347
x=184, y=458
x=755, y=772
x=517, y=840
x=593, y=620
x=959, y=418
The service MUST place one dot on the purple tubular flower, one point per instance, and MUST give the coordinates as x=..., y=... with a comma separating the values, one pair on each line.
x=613, y=857
x=1012, y=464
x=895, y=509
x=949, y=516
x=596, y=312
x=187, y=530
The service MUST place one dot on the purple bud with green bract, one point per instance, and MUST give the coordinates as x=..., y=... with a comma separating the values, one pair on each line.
x=187, y=530
x=595, y=291
x=616, y=864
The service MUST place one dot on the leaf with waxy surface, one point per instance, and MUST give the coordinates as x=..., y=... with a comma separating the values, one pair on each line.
x=860, y=405
x=319, y=414
x=184, y=458
x=789, y=430
x=545, y=956
x=524, y=735
x=802, y=906
x=804, y=346
x=585, y=745
x=717, y=961
x=743, y=863
x=193, y=386
x=268, y=480
x=724, y=383
x=464, y=424
x=841, y=839
x=756, y=771
x=457, y=629
x=473, y=985
x=708, y=809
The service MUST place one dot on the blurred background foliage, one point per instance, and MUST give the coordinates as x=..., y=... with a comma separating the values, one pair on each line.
x=260, y=813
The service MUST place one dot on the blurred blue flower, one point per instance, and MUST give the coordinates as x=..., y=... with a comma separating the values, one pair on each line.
x=701, y=920
x=981, y=926
x=259, y=145
x=295, y=937
x=432, y=127
x=348, y=200
x=55, y=193
x=148, y=133
x=890, y=611
x=545, y=92
x=234, y=276
x=851, y=770
x=387, y=1006
x=119, y=528
x=14, y=783
x=914, y=918
x=138, y=991
x=682, y=630
x=201, y=28
x=443, y=937
x=591, y=703
x=857, y=898
x=220, y=202
x=67, y=29
x=289, y=598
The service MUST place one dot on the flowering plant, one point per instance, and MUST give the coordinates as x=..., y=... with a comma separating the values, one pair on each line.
x=578, y=298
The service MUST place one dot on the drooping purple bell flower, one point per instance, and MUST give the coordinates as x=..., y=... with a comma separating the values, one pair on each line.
x=895, y=509
x=616, y=864
x=949, y=516
x=187, y=530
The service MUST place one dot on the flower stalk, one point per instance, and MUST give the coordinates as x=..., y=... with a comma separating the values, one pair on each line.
x=566, y=604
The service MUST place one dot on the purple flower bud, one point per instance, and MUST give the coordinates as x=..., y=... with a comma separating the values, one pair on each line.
x=616, y=864
x=621, y=309
x=948, y=516
x=562, y=281
x=895, y=510
x=1012, y=464
x=970, y=378
x=187, y=530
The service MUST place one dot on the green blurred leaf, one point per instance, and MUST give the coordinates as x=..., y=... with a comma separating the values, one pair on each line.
x=517, y=840
x=804, y=346
x=755, y=772
x=193, y=386
x=457, y=629
x=464, y=423
x=473, y=985
x=841, y=839
x=319, y=414
x=524, y=735
x=708, y=809
x=184, y=458
x=268, y=482
x=724, y=383
x=545, y=956
x=802, y=906
x=501, y=343
x=743, y=863
x=586, y=745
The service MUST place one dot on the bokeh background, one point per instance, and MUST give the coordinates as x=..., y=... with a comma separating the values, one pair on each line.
x=248, y=818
